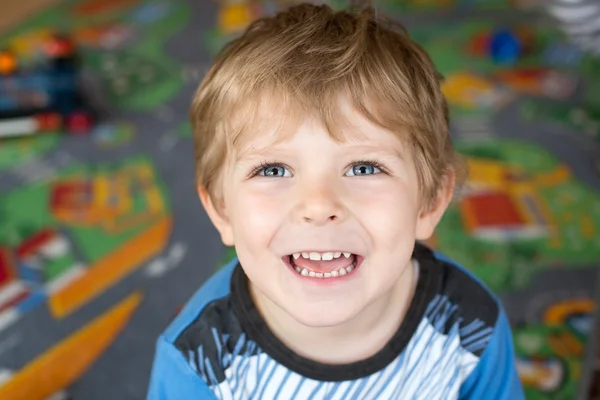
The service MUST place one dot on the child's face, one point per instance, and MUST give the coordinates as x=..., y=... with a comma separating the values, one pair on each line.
x=314, y=195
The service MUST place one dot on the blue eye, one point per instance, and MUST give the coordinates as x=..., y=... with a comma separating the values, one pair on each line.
x=273, y=171
x=363, y=168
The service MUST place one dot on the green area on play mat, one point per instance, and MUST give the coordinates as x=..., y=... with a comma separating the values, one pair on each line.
x=26, y=210
x=399, y=6
x=21, y=149
x=560, y=375
x=571, y=208
x=448, y=44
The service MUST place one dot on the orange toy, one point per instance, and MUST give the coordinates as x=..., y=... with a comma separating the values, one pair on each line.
x=8, y=62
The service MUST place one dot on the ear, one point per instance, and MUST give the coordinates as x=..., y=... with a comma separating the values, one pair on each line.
x=429, y=218
x=217, y=216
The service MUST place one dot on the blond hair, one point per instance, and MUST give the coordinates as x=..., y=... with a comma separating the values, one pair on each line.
x=307, y=57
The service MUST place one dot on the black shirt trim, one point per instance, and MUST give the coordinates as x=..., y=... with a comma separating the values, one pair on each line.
x=428, y=284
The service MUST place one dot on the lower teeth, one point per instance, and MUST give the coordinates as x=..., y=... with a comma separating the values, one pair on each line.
x=332, y=274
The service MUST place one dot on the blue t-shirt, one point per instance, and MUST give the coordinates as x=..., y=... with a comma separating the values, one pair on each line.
x=454, y=343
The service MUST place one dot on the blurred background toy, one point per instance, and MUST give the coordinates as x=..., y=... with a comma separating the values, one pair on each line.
x=43, y=95
x=507, y=46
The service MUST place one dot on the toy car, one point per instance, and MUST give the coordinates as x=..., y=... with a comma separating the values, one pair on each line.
x=43, y=97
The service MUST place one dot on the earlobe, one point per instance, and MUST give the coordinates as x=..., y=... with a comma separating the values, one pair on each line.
x=217, y=216
x=429, y=218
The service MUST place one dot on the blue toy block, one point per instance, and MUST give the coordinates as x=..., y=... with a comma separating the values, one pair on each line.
x=505, y=47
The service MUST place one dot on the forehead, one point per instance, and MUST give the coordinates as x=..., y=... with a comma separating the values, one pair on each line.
x=269, y=123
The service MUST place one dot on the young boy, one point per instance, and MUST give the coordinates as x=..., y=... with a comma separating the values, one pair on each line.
x=323, y=156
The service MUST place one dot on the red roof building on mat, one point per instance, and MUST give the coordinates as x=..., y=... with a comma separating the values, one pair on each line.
x=502, y=203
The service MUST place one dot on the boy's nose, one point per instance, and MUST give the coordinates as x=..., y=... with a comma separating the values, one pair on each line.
x=320, y=205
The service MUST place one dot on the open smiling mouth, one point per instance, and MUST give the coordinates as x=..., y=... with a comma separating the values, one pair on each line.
x=324, y=265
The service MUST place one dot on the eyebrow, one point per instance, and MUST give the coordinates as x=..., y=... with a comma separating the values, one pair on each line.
x=266, y=152
x=373, y=150
x=252, y=153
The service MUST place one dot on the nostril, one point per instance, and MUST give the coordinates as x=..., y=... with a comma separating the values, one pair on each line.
x=320, y=219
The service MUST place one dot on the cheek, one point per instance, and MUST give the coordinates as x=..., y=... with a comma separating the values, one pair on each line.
x=389, y=212
x=258, y=213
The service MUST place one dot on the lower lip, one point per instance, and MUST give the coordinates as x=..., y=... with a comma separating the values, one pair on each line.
x=324, y=281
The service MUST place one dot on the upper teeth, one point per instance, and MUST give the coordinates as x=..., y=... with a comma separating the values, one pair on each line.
x=327, y=256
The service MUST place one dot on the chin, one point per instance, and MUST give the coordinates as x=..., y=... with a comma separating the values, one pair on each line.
x=321, y=316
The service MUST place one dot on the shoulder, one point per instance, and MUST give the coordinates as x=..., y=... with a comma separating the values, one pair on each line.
x=203, y=303
x=461, y=305
x=207, y=332
x=175, y=368
x=464, y=308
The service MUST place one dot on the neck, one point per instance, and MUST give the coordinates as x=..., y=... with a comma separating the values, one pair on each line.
x=356, y=339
